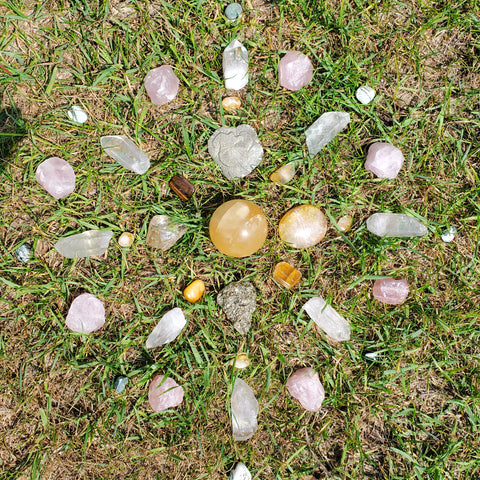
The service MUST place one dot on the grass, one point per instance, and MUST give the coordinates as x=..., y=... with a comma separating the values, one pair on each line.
x=414, y=416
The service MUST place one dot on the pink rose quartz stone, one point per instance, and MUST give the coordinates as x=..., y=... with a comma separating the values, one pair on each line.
x=391, y=291
x=294, y=70
x=86, y=314
x=164, y=393
x=305, y=386
x=384, y=160
x=56, y=176
x=161, y=85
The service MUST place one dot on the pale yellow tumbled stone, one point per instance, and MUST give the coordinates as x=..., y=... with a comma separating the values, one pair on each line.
x=303, y=226
x=284, y=174
x=240, y=361
x=125, y=239
x=231, y=104
x=344, y=223
x=194, y=292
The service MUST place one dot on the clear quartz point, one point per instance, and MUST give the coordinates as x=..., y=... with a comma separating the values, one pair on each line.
x=395, y=225
x=325, y=129
x=235, y=65
x=244, y=411
x=240, y=472
x=86, y=244
x=126, y=153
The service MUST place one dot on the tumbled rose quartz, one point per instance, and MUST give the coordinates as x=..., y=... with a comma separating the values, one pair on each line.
x=305, y=386
x=164, y=393
x=384, y=160
x=86, y=314
x=161, y=85
x=294, y=70
x=56, y=176
x=391, y=291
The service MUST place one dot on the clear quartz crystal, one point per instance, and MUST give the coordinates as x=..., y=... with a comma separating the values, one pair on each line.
x=167, y=329
x=331, y=322
x=163, y=233
x=86, y=244
x=235, y=66
x=395, y=225
x=126, y=153
x=240, y=472
x=244, y=411
x=324, y=129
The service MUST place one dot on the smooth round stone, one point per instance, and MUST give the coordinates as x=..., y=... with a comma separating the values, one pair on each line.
x=164, y=393
x=391, y=291
x=238, y=228
x=231, y=104
x=449, y=234
x=56, y=176
x=77, y=114
x=125, y=239
x=161, y=85
x=295, y=70
x=384, y=160
x=284, y=174
x=233, y=11
x=240, y=361
x=344, y=223
x=305, y=386
x=303, y=226
x=194, y=292
x=365, y=94
x=86, y=314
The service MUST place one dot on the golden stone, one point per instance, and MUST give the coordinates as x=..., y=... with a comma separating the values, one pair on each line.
x=344, y=223
x=238, y=228
x=303, y=226
x=194, y=292
x=125, y=239
x=240, y=361
x=286, y=275
x=231, y=104
x=283, y=174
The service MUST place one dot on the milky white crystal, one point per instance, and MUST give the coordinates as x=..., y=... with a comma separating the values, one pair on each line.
x=332, y=323
x=365, y=94
x=244, y=408
x=235, y=65
x=126, y=153
x=167, y=329
x=240, y=472
x=77, y=114
x=86, y=244
x=395, y=225
x=324, y=129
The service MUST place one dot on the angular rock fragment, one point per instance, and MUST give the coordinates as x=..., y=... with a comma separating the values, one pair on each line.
x=244, y=407
x=238, y=301
x=161, y=85
x=86, y=244
x=240, y=472
x=86, y=314
x=395, y=225
x=384, y=160
x=295, y=70
x=164, y=393
x=163, y=233
x=167, y=329
x=305, y=386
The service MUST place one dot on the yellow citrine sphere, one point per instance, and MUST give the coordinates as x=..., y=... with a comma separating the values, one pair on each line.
x=238, y=228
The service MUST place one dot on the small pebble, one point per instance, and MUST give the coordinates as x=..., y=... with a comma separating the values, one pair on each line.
x=344, y=223
x=120, y=384
x=365, y=94
x=233, y=11
x=23, y=252
x=125, y=239
x=286, y=275
x=77, y=114
x=240, y=361
x=449, y=234
x=231, y=104
x=194, y=292
x=284, y=174
x=374, y=357
x=182, y=187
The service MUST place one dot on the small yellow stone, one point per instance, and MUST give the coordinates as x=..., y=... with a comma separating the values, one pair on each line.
x=240, y=361
x=286, y=275
x=231, y=104
x=194, y=292
x=125, y=239
x=344, y=223
x=283, y=174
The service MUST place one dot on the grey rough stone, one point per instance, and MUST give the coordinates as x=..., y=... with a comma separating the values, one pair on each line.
x=239, y=300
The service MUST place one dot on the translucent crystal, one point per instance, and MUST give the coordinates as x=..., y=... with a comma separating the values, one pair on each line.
x=240, y=472
x=126, y=153
x=125, y=239
x=164, y=393
x=384, y=160
x=86, y=244
x=167, y=329
x=244, y=408
x=286, y=275
x=365, y=94
x=302, y=226
x=333, y=324
x=236, y=150
x=86, y=314
x=235, y=66
x=163, y=233
x=324, y=129
x=120, y=384
x=391, y=291
x=295, y=70
x=449, y=234
x=305, y=386
x=395, y=225
x=344, y=223
x=161, y=85
x=77, y=114
x=56, y=176
x=284, y=174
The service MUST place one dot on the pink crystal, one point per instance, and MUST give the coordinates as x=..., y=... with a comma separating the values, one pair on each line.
x=164, y=393
x=56, y=176
x=295, y=70
x=86, y=314
x=384, y=160
x=161, y=85
x=305, y=386
x=391, y=291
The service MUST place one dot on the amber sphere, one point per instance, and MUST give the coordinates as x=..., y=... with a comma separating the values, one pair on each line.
x=238, y=228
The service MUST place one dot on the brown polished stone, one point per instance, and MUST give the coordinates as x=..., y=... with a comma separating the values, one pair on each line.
x=182, y=187
x=286, y=275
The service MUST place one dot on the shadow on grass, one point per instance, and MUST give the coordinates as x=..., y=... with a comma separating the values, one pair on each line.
x=12, y=130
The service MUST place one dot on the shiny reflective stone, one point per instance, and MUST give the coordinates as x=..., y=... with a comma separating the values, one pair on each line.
x=182, y=187
x=125, y=239
x=240, y=361
x=344, y=223
x=233, y=11
x=286, y=275
x=194, y=292
x=120, y=384
x=284, y=174
x=303, y=226
x=23, y=252
x=231, y=104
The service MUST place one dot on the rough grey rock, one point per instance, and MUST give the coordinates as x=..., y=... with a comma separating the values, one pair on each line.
x=239, y=300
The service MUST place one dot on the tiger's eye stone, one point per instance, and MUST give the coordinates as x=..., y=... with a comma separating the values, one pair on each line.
x=303, y=226
x=194, y=292
x=182, y=187
x=231, y=104
x=283, y=174
x=286, y=275
x=238, y=228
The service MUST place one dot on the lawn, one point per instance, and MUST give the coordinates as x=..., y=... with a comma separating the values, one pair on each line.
x=416, y=415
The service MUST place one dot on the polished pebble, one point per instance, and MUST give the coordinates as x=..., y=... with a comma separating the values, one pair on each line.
x=194, y=292
x=125, y=239
x=182, y=187
x=231, y=104
x=286, y=275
